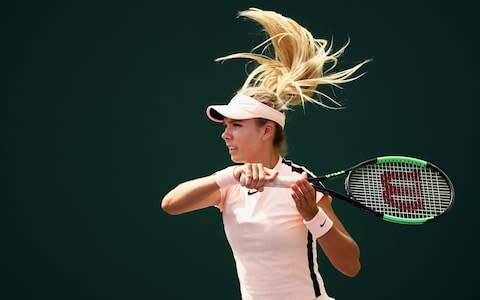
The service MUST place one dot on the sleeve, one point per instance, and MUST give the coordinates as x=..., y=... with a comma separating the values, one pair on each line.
x=228, y=195
x=319, y=196
x=223, y=195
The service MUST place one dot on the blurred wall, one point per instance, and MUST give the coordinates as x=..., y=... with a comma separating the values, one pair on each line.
x=103, y=113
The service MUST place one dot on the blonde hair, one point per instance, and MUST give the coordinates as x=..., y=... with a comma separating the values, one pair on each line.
x=292, y=76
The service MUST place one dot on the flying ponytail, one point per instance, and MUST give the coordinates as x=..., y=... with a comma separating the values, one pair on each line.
x=301, y=64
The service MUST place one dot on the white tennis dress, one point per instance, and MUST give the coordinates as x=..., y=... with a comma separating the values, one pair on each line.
x=275, y=254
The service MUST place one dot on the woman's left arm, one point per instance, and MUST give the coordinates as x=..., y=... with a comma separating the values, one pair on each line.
x=337, y=244
x=340, y=248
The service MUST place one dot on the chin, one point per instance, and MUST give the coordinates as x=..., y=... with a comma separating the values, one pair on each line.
x=236, y=159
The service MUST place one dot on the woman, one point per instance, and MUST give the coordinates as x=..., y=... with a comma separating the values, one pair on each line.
x=273, y=231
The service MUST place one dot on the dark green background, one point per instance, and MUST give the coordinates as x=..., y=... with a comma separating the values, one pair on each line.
x=103, y=113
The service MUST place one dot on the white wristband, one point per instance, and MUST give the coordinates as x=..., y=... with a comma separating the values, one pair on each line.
x=320, y=224
x=225, y=178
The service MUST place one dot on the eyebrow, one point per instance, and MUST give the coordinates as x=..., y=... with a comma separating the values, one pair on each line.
x=232, y=121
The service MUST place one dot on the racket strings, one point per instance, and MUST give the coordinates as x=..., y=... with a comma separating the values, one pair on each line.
x=401, y=189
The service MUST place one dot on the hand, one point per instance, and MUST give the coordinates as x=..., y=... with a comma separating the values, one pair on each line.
x=256, y=175
x=305, y=198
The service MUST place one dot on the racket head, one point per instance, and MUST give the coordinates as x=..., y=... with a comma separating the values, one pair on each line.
x=402, y=189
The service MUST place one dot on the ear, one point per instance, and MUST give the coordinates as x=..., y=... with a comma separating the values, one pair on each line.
x=268, y=131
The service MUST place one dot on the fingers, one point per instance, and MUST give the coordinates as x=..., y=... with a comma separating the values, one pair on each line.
x=304, y=196
x=304, y=188
x=301, y=192
x=255, y=172
x=249, y=173
x=261, y=177
x=255, y=176
x=270, y=175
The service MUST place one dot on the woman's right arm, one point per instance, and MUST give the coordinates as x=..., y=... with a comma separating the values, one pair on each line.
x=204, y=192
x=192, y=195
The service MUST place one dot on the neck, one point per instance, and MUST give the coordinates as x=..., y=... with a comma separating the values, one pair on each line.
x=273, y=161
x=269, y=159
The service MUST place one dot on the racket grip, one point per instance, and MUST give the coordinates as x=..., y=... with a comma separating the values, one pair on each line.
x=283, y=181
x=279, y=182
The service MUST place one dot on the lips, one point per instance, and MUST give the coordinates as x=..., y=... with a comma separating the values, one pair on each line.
x=231, y=148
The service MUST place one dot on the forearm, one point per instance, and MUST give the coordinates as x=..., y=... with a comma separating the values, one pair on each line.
x=192, y=195
x=341, y=250
x=321, y=221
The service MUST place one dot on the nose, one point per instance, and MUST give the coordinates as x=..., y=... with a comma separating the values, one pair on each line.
x=226, y=134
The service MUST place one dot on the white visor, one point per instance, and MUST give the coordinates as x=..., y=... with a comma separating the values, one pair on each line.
x=243, y=107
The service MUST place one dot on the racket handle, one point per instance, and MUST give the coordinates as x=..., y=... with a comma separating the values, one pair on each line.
x=283, y=181
x=280, y=181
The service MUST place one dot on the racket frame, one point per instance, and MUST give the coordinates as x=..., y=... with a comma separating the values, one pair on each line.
x=317, y=184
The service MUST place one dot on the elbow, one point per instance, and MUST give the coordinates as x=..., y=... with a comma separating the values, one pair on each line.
x=167, y=205
x=352, y=269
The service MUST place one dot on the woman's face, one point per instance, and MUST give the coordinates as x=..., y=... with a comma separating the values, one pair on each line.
x=243, y=139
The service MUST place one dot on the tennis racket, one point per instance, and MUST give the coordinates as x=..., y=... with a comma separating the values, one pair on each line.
x=398, y=189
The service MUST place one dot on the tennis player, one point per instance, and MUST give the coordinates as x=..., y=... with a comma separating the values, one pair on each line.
x=273, y=232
